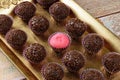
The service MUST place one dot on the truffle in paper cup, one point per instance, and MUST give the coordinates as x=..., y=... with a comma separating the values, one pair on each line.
x=92, y=43
x=59, y=41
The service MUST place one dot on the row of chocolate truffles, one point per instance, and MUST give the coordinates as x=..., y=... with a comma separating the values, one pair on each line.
x=54, y=71
x=39, y=24
x=73, y=60
x=74, y=27
x=26, y=10
x=92, y=44
x=60, y=41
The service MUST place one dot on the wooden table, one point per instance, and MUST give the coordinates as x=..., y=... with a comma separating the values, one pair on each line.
x=107, y=11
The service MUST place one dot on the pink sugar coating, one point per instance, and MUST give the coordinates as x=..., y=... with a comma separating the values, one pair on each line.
x=59, y=40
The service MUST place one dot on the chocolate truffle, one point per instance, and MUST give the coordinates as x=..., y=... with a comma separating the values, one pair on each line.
x=111, y=62
x=46, y=3
x=38, y=24
x=75, y=28
x=59, y=11
x=73, y=60
x=91, y=74
x=25, y=10
x=52, y=71
x=59, y=41
x=16, y=38
x=34, y=53
x=5, y=23
x=92, y=43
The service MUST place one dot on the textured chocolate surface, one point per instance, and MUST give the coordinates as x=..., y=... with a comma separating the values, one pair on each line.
x=35, y=53
x=46, y=3
x=25, y=10
x=75, y=27
x=73, y=60
x=111, y=62
x=91, y=74
x=59, y=11
x=38, y=24
x=5, y=23
x=52, y=71
x=16, y=38
x=92, y=43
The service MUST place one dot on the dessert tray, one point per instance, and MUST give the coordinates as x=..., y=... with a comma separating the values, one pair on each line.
x=32, y=71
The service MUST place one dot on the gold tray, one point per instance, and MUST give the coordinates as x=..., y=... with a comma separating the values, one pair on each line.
x=32, y=72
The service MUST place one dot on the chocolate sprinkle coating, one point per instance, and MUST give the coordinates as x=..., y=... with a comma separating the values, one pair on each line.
x=25, y=10
x=16, y=38
x=5, y=23
x=111, y=62
x=38, y=24
x=35, y=53
x=75, y=27
x=52, y=71
x=92, y=43
x=91, y=74
x=46, y=3
x=73, y=60
x=59, y=11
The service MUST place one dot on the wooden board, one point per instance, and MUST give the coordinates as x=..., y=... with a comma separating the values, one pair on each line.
x=100, y=8
x=112, y=22
x=7, y=69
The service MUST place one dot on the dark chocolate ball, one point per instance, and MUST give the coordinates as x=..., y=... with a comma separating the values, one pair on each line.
x=59, y=11
x=52, y=71
x=91, y=74
x=111, y=62
x=38, y=24
x=5, y=23
x=46, y=3
x=75, y=27
x=35, y=53
x=25, y=10
x=73, y=60
x=16, y=38
x=92, y=43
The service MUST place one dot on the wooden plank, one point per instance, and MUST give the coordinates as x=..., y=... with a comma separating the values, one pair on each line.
x=99, y=8
x=112, y=22
x=7, y=70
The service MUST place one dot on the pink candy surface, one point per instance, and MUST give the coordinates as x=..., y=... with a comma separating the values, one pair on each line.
x=59, y=40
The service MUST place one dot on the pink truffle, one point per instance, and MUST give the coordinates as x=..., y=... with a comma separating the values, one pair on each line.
x=59, y=41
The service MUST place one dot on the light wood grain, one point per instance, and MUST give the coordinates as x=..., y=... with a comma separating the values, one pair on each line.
x=112, y=22
x=99, y=8
x=7, y=69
